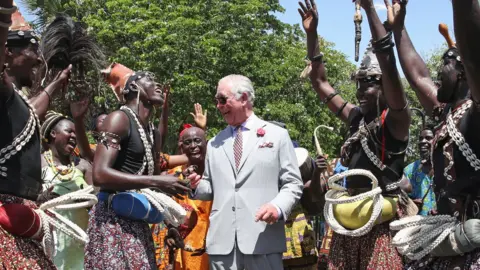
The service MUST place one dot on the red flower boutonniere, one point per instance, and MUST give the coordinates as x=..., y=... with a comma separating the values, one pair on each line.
x=260, y=132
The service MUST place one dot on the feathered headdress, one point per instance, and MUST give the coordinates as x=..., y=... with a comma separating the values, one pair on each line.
x=66, y=42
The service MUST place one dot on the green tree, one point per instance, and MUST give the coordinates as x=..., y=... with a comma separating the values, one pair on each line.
x=192, y=44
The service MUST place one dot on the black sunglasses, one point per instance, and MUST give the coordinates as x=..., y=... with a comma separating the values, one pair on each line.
x=221, y=100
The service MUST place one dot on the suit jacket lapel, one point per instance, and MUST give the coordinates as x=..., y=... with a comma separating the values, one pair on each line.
x=228, y=146
x=252, y=142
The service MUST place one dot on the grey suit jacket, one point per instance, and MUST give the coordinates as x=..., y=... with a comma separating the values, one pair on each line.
x=265, y=175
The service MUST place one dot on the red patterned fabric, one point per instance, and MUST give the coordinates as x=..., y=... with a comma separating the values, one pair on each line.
x=19, y=252
x=372, y=251
x=117, y=242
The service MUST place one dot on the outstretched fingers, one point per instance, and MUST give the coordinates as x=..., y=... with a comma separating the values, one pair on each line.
x=303, y=7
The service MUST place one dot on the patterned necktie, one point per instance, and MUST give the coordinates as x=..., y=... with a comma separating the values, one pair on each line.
x=238, y=146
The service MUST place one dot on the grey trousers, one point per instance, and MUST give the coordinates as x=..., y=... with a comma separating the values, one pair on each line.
x=236, y=260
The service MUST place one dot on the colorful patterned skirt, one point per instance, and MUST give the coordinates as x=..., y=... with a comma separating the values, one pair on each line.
x=301, y=246
x=18, y=252
x=468, y=261
x=117, y=243
x=372, y=251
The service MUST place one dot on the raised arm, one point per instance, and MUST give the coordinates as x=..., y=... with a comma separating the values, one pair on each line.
x=398, y=117
x=78, y=110
x=105, y=176
x=318, y=76
x=414, y=68
x=466, y=18
x=163, y=123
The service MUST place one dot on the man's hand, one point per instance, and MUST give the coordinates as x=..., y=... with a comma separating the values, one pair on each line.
x=173, y=239
x=62, y=79
x=321, y=164
x=199, y=116
x=267, y=213
x=309, y=14
x=396, y=13
x=79, y=108
x=194, y=180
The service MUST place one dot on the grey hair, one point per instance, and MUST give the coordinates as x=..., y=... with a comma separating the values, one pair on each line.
x=240, y=84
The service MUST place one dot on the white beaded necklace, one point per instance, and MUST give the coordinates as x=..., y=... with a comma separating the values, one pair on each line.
x=148, y=157
x=450, y=129
x=22, y=138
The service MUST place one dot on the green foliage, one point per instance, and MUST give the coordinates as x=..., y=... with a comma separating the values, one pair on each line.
x=193, y=43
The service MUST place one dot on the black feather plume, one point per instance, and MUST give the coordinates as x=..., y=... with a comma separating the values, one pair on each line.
x=66, y=42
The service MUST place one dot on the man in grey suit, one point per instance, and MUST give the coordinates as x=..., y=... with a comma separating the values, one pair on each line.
x=252, y=176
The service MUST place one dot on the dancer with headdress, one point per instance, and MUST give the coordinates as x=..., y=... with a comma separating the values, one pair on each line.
x=20, y=166
x=63, y=174
x=125, y=159
x=420, y=172
x=450, y=239
x=439, y=95
x=377, y=143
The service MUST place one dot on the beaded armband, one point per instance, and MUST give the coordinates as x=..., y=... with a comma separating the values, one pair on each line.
x=163, y=160
x=109, y=140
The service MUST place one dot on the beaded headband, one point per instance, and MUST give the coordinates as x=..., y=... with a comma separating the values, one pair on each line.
x=51, y=119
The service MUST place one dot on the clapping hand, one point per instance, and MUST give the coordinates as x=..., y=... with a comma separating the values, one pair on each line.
x=309, y=14
x=199, y=116
x=267, y=213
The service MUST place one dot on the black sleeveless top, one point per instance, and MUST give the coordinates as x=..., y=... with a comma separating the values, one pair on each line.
x=466, y=179
x=394, y=156
x=130, y=157
x=23, y=169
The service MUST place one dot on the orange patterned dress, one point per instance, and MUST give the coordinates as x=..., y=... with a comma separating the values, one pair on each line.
x=195, y=239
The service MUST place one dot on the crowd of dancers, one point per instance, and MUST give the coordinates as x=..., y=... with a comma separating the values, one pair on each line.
x=123, y=203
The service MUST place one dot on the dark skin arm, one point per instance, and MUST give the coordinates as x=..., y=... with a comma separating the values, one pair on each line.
x=466, y=19
x=86, y=168
x=318, y=76
x=163, y=124
x=318, y=185
x=78, y=110
x=5, y=89
x=104, y=176
x=398, y=120
x=41, y=102
x=414, y=68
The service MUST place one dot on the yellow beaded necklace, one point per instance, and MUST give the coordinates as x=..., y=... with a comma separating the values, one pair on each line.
x=61, y=171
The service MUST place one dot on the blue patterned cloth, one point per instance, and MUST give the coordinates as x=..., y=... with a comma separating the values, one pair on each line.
x=420, y=186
